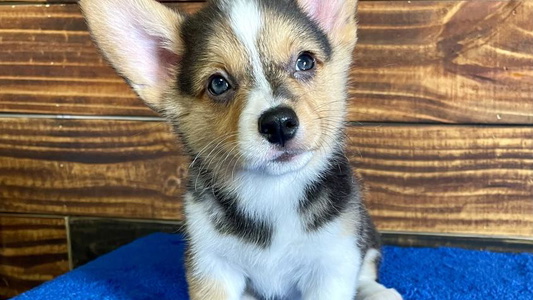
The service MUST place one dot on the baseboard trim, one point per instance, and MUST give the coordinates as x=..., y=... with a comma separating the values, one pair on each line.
x=475, y=242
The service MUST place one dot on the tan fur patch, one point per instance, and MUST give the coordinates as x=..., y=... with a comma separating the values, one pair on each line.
x=202, y=288
x=205, y=289
x=320, y=101
x=225, y=54
x=210, y=126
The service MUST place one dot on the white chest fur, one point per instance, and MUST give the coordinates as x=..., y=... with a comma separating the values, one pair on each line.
x=295, y=258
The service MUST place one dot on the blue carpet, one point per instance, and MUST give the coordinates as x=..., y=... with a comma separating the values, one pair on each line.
x=152, y=268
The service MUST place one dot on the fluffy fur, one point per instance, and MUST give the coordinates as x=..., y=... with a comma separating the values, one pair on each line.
x=264, y=220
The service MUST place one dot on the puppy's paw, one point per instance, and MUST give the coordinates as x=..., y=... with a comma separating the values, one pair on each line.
x=385, y=294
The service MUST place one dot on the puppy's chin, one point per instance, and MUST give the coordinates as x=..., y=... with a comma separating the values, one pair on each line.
x=282, y=164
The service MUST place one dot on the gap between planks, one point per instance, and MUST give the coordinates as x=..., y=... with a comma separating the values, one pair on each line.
x=161, y=119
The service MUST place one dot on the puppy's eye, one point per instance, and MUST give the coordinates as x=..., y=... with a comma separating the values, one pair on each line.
x=305, y=62
x=218, y=85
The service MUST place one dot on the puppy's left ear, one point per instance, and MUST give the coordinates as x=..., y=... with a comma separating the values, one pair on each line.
x=335, y=17
x=141, y=39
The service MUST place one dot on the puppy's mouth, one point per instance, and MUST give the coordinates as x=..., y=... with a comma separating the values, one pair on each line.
x=280, y=161
x=287, y=156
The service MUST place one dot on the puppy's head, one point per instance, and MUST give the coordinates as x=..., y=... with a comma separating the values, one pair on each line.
x=250, y=84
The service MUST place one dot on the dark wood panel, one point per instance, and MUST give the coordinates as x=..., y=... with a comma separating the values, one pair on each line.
x=454, y=179
x=100, y=168
x=498, y=244
x=92, y=237
x=32, y=250
x=430, y=61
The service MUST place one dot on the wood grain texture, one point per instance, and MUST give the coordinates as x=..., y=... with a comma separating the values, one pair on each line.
x=100, y=168
x=417, y=61
x=448, y=61
x=454, y=179
x=32, y=250
x=49, y=65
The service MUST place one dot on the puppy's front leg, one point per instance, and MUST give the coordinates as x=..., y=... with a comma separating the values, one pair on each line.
x=209, y=279
x=332, y=282
x=333, y=288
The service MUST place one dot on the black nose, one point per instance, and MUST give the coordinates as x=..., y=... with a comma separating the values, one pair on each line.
x=278, y=125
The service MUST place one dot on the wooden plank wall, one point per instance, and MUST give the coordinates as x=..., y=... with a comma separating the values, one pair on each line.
x=440, y=128
x=32, y=250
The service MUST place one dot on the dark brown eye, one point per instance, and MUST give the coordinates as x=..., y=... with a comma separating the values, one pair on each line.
x=218, y=85
x=305, y=62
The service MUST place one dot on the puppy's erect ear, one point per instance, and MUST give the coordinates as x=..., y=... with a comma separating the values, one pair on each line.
x=141, y=39
x=335, y=17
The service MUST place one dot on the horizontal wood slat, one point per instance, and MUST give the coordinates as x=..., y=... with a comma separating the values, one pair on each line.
x=32, y=250
x=449, y=179
x=446, y=179
x=49, y=65
x=449, y=61
x=100, y=168
x=490, y=243
x=430, y=61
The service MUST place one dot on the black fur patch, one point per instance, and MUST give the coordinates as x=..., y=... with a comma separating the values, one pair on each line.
x=329, y=197
x=227, y=217
x=236, y=223
x=368, y=235
x=277, y=83
x=326, y=198
x=195, y=33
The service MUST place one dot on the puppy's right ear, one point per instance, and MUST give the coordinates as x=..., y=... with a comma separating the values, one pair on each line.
x=141, y=39
x=335, y=17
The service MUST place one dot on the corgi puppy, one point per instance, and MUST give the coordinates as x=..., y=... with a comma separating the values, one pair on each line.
x=256, y=89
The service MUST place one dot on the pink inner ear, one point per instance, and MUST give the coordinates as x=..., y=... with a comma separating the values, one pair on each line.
x=324, y=12
x=166, y=60
x=144, y=54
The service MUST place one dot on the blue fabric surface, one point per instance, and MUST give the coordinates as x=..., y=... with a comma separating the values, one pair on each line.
x=152, y=268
